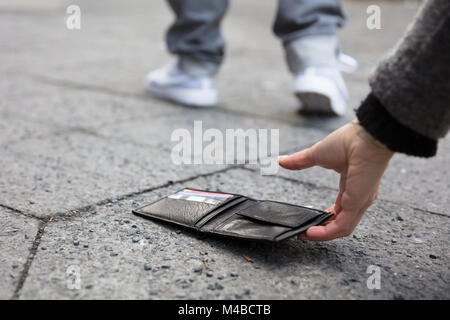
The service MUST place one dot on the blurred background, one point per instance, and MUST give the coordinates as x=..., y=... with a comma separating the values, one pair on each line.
x=120, y=41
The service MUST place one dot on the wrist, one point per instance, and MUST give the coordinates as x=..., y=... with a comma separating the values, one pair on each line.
x=370, y=140
x=380, y=124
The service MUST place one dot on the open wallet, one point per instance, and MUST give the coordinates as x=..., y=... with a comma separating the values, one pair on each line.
x=233, y=215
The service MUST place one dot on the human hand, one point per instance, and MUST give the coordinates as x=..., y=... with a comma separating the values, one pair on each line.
x=360, y=160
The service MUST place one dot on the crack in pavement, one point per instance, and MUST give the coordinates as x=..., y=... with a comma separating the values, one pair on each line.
x=30, y=258
x=323, y=187
x=46, y=220
x=27, y=215
x=89, y=207
x=72, y=213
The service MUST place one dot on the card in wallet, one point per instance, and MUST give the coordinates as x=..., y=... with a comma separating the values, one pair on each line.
x=233, y=215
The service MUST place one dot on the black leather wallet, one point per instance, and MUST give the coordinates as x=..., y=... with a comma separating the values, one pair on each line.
x=233, y=215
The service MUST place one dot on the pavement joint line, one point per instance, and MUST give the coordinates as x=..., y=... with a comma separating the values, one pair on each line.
x=27, y=215
x=94, y=133
x=127, y=141
x=45, y=221
x=316, y=186
x=168, y=148
x=244, y=167
x=35, y=121
x=304, y=183
x=30, y=258
x=59, y=130
x=420, y=209
x=90, y=207
x=398, y=203
x=86, y=131
x=146, y=97
x=29, y=12
x=117, y=199
x=131, y=118
x=64, y=128
x=126, y=196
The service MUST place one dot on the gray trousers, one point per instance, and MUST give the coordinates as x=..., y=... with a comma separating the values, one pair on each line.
x=307, y=29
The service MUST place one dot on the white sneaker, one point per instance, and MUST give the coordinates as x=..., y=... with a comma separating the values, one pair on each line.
x=347, y=63
x=170, y=83
x=322, y=90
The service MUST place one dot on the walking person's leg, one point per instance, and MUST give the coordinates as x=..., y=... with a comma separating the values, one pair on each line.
x=308, y=31
x=195, y=35
x=196, y=40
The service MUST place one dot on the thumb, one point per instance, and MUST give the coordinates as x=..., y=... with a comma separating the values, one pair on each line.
x=297, y=161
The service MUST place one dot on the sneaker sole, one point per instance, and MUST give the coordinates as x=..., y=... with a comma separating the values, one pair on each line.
x=319, y=96
x=315, y=103
x=193, y=98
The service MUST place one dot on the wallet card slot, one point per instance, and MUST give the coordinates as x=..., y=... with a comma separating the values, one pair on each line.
x=243, y=227
x=278, y=213
x=226, y=214
x=216, y=211
x=314, y=222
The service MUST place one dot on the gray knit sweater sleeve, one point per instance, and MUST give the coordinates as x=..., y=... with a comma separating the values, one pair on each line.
x=413, y=82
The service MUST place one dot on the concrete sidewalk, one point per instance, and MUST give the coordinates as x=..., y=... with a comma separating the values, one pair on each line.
x=82, y=144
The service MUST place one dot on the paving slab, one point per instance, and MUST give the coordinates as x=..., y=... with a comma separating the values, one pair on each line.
x=118, y=255
x=17, y=234
x=59, y=107
x=151, y=131
x=14, y=128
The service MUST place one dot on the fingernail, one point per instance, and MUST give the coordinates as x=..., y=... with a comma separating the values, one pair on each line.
x=282, y=157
